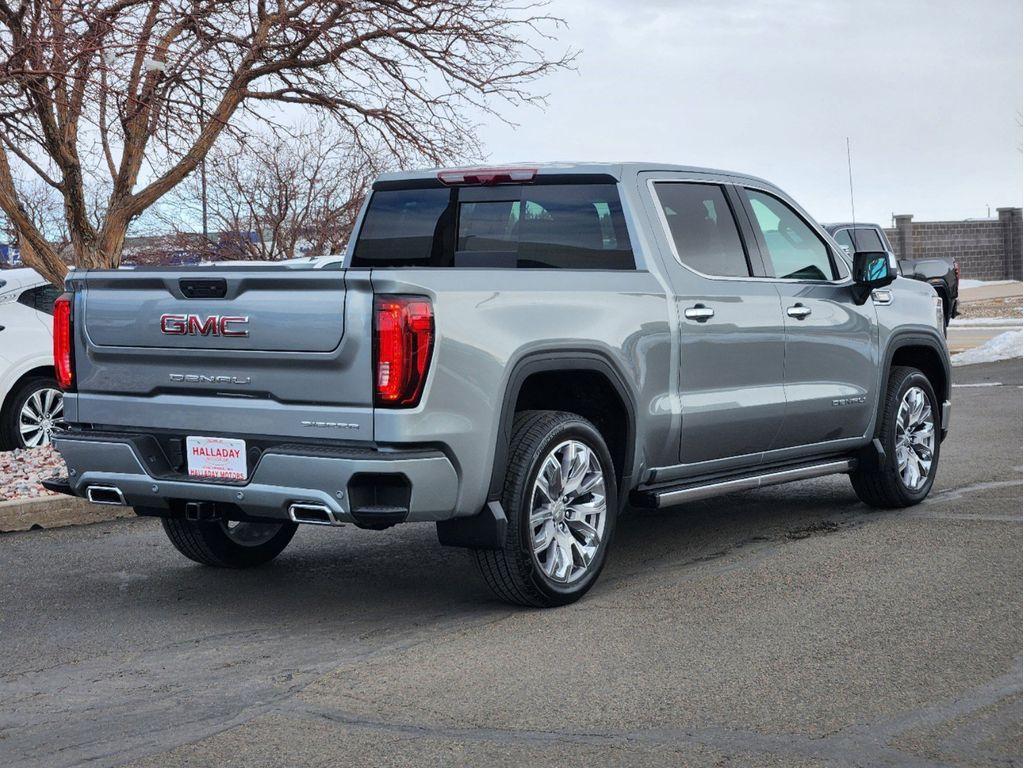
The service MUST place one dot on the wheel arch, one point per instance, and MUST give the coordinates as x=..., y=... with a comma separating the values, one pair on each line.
x=588, y=362
x=926, y=353
x=39, y=371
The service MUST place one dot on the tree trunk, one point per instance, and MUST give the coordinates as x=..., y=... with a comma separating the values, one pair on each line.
x=111, y=241
x=35, y=251
x=48, y=264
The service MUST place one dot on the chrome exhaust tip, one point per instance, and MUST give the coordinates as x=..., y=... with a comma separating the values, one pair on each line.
x=105, y=494
x=312, y=514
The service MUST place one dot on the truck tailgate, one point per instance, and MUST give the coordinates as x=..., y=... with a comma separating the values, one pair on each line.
x=275, y=351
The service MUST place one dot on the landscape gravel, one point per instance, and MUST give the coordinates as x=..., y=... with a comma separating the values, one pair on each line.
x=1005, y=307
x=22, y=469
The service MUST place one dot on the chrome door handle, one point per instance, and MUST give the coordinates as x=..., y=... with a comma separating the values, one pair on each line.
x=799, y=311
x=699, y=312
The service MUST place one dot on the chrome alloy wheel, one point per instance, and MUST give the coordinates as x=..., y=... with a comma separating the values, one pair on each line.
x=568, y=511
x=247, y=534
x=915, y=438
x=41, y=413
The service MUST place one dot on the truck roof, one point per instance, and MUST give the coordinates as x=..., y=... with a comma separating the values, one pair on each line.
x=849, y=224
x=618, y=171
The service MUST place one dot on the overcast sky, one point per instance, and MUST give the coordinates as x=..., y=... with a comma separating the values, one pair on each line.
x=928, y=92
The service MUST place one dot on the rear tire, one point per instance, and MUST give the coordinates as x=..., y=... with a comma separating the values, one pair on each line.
x=911, y=442
x=560, y=522
x=37, y=407
x=218, y=544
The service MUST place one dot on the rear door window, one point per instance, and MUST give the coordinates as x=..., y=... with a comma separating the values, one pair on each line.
x=542, y=226
x=40, y=298
x=703, y=228
x=867, y=239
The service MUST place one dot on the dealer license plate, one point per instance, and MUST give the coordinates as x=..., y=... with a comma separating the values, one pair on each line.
x=218, y=457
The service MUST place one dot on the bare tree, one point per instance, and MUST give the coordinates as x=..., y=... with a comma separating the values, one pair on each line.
x=43, y=207
x=134, y=93
x=277, y=196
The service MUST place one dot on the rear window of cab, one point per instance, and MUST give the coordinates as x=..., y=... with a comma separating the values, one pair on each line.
x=513, y=226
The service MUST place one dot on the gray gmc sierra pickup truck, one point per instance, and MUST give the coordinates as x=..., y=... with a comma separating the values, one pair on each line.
x=516, y=354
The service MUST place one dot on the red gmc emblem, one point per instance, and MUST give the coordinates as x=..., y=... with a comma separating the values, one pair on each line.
x=194, y=325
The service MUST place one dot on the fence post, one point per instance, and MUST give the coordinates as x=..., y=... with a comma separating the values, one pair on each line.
x=904, y=236
x=1010, y=224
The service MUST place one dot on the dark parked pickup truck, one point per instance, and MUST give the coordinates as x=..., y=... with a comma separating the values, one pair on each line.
x=943, y=274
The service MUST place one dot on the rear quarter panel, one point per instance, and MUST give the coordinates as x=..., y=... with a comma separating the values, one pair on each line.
x=487, y=321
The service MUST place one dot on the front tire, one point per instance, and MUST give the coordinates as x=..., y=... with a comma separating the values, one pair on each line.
x=910, y=436
x=561, y=501
x=225, y=544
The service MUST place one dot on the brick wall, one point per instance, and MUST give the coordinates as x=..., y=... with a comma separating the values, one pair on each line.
x=987, y=249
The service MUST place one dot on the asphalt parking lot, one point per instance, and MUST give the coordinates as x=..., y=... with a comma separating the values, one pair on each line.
x=787, y=627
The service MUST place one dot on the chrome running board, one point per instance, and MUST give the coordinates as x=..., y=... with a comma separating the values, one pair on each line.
x=668, y=497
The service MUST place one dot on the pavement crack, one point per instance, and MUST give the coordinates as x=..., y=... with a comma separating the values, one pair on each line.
x=843, y=748
x=952, y=494
x=820, y=527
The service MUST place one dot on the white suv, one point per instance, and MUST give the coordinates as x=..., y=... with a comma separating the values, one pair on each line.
x=31, y=402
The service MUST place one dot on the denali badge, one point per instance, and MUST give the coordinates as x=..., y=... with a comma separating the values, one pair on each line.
x=194, y=325
x=329, y=424
x=849, y=401
x=199, y=378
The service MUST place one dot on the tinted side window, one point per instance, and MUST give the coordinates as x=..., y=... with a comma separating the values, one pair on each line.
x=40, y=298
x=703, y=228
x=796, y=252
x=843, y=238
x=405, y=228
x=868, y=239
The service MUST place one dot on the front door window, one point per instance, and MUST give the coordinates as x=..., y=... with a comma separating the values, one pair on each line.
x=794, y=249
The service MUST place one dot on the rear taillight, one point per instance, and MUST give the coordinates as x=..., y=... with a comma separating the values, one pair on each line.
x=63, y=343
x=403, y=333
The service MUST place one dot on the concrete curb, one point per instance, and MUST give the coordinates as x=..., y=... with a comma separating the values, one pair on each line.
x=55, y=512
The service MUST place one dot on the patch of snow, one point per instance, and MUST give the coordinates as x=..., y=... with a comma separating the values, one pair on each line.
x=1005, y=346
x=979, y=283
x=1009, y=322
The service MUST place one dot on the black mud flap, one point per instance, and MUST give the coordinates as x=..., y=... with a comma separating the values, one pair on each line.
x=485, y=530
x=872, y=455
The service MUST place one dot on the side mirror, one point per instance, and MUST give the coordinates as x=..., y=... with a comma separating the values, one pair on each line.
x=871, y=270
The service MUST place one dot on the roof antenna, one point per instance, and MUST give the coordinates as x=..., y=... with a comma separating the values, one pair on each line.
x=849, y=166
